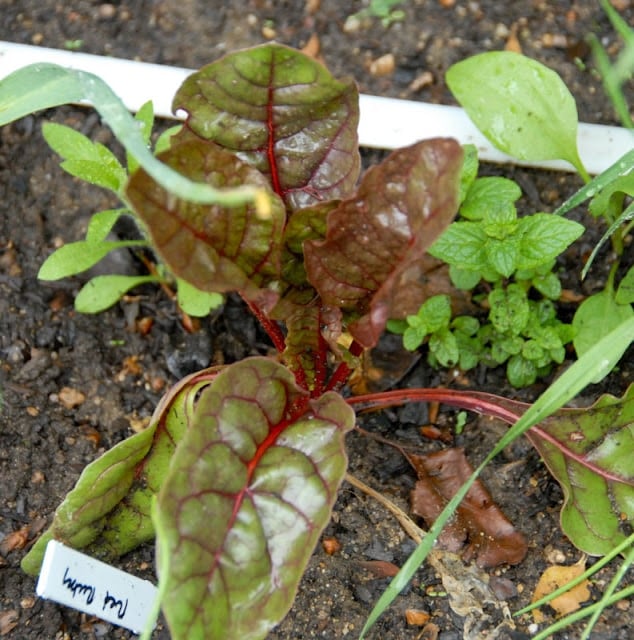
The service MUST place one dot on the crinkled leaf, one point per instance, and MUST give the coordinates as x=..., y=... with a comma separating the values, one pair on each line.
x=589, y=451
x=83, y=158
x=250, y=488
x=285, y=114
x=108, y=511
x=522, y=106
x=214, y=248
x=370, y=262
x=543, y=237
x=486, y=194
x=595, y=317
x=479, y=528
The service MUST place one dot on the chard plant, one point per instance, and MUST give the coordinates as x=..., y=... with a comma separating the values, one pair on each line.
x=238, y=472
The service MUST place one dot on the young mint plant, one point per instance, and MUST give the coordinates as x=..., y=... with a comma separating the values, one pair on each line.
x=514, y=258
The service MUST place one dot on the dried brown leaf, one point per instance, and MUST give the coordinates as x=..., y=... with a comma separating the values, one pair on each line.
x=479, y=527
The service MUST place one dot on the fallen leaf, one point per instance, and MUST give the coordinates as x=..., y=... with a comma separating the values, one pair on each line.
x=416, y=617
x=8, y=621
x=557, y=576
x=14, y=540
x=380, y=568
x=479, y=528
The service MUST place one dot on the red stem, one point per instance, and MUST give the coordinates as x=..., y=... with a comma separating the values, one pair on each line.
x=339, y=377
x=478, y=401
x=271, y=328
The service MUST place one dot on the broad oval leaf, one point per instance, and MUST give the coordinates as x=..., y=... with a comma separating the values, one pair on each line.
x=523, y=107
x=370, y=261
x=285, y=114
x=249, y=491
x=214, y=248
x=589, y=451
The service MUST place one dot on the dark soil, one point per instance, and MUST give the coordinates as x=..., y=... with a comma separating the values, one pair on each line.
x=46, y=347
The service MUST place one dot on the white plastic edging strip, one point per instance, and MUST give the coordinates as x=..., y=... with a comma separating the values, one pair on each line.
x=385, y=123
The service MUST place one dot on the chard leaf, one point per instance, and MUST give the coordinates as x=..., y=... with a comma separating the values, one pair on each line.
x=589, y=451
x=216, y=249
x=108, y=511
x=523, y=107
x=285, y=114
x=250, y=489
x=370, y=261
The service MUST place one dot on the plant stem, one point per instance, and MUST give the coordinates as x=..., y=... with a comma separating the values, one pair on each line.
x=272, y=328
x=342, y=372
x=478, y=401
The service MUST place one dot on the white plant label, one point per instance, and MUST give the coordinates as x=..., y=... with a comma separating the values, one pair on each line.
x=76, y=580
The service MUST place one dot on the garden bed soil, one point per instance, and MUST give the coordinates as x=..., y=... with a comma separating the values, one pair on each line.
x=74, y=385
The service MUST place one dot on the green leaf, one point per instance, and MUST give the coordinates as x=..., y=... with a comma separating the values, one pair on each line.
x=250, y=489
x=42, y=85
x=195, y=302
x=90, y=161
x=444, y=346
x=595, y=317
x=510, y=310
x=548, y=285
x=589, y=451
x=286, y=116
x=108, y=511
x=73, y=258
x=488, y=193
x=543, y=236
x=413, y=337
x=520, y=371
x=520, y=105
x=464, y=279
x=145, y=117
x=462, y=245
x=101, y=224
x=625, y=290
x=469, y=171
x=502, y=254
x=102, y=292
x=436, y=313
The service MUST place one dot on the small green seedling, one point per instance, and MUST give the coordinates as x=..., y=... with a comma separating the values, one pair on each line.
x=383, y=9
x=94, y=163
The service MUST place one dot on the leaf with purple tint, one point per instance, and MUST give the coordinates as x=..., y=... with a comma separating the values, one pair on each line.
x=108, y=511
x=370, y=262
x=213, y=248
x=589, y=451
x=250, y=489
x=285, y=114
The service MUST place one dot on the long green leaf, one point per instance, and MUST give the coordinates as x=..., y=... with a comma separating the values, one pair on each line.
x=42, y=85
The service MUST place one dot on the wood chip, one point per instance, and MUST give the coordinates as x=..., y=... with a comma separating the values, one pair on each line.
x=71, y=398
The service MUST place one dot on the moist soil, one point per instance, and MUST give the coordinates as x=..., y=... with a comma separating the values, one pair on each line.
x=74, y=385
